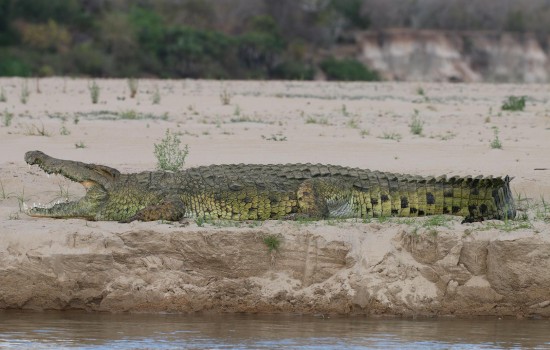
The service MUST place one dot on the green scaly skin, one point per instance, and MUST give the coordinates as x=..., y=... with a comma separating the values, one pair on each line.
x=262, y=192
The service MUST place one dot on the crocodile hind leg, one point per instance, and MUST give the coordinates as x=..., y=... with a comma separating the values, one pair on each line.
x=325, y=197
x=169, y=210
x=311, y=204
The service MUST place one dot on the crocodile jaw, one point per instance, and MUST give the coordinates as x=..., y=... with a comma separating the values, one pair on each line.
x=85, y=207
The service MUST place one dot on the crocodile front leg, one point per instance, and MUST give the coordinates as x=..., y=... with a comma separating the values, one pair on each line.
x=169, y=210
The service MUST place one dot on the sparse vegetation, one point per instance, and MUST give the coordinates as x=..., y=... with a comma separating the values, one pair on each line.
x=3, y=193
x=129, y=114
x=313, y=120
x=275, y=137
x=417, y=124
x=133, y=85
x=34, y=130
x=353, y=123
x=7, y=118
x=80, y=144
x=345, y=112
x=200, y=221
x=3, y=97
x=514, y=103
x=225, y=97
x=272, y=242
x=169, y=153
x=25, y=92
x=437, y=220
x=155, y=99
x=21, y=199
x=247, y=119
x=495, y=142
x=64, y=131
x=391, y=136
x=94, y=91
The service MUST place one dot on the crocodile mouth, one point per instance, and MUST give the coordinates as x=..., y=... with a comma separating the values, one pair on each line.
x=81, y=207
x=94, y=178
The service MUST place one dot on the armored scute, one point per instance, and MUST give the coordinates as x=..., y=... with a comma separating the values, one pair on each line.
x=262, y=192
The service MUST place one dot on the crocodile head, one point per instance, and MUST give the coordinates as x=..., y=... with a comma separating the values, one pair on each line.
x=97, y=179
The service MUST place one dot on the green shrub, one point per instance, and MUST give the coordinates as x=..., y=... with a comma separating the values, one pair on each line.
x=293, y=70
x=272, y=242
x=169, y=154
x=495, y=143
x=347, y=69
x=514, y=103
x=94, y=92
x=417, y=124
x=11, y=66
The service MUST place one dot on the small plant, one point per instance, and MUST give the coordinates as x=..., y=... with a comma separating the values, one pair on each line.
x=364, y=132
x=3, y=97
x=3, y=193
x=7, y=117
x=133, y=85
x=391, y=136
x=169, y=154
x=420, y=91
x=345, y=111
x=275, y=137
x=313, y=120
x=25, y=92
x=21, y=200
x=416, y=124
x=34, y=130
x=272, y=242
x=437, y=220
x=156, y=96
x=64, y=131
x=514, y=103
x=495, y=143
x=225, y=97
x=353, y=123
x=94, y=91
x=200, y=221
x=130, y=114
x=80, y=144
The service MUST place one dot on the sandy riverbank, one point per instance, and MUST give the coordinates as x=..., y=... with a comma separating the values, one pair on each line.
x=393, y=267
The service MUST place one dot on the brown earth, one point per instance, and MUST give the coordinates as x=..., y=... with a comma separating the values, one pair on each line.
x=468, y=56
x=391, y=267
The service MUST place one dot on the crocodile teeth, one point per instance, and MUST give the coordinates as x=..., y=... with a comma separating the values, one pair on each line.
x=45, y=206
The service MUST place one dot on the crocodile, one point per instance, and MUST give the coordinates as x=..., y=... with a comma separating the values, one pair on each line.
x=262, y=192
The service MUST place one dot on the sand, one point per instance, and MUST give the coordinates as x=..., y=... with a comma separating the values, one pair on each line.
x=363, y=125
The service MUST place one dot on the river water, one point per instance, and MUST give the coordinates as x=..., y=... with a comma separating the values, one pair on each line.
x=80, y=330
